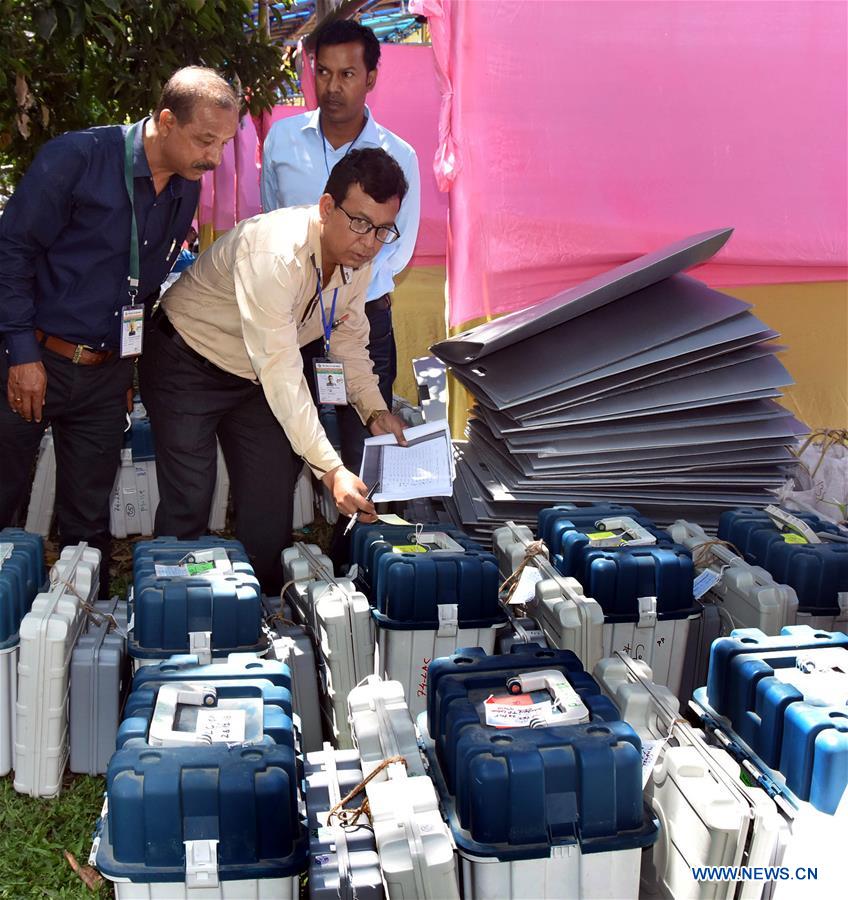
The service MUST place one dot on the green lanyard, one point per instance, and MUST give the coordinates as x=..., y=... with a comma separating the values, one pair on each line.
x=129, y=150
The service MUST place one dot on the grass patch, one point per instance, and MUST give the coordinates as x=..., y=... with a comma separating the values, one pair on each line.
x=34, y=832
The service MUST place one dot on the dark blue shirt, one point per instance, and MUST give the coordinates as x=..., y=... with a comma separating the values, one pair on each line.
x=65, y=236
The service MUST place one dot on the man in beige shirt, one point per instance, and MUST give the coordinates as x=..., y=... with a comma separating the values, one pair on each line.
x=223, y=359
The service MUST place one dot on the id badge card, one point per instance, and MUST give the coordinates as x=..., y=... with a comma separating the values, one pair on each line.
x=132, y=329
x=330, y=382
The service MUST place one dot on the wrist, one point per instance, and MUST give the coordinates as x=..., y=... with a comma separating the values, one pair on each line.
x=373, y=416
x=330, y=476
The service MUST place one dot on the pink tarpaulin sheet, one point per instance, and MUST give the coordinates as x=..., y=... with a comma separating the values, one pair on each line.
x=231, y=192
x=406, y=100
x=577, y=135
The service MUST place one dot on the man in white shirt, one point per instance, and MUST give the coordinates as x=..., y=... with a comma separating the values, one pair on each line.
x=222, y=359
x=300, y=153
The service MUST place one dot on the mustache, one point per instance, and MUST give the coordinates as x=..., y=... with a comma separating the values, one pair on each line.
x=203, y=167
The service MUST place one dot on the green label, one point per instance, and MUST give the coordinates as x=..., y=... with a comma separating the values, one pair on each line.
x=601, y=535
x=795, y=539
x=199, y=568
x=409, y=548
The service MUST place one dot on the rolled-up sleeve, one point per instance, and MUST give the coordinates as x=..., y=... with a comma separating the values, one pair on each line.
x=266, y=292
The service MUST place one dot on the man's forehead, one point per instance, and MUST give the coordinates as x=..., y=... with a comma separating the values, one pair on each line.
x=341, y=55
x=358, y=203
x=212, y=121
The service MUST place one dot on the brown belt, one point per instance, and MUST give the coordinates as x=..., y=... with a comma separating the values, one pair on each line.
x=79, y=354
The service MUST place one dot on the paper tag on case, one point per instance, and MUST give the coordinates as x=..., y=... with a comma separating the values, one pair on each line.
x=525, y=590
x=706, y=580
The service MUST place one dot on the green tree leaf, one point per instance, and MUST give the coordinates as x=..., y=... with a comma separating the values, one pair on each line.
x=96, y=62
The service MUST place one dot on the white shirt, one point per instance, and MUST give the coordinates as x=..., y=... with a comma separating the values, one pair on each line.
x=294, y=173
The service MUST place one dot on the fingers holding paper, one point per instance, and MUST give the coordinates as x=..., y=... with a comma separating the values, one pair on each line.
x=389, y=423
x=349, y=494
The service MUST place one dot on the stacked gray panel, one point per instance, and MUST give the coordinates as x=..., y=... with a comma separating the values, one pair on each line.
x=98, y=669
x=642, y=386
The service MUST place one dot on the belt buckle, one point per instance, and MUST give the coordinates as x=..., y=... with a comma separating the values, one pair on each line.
x=78, y=351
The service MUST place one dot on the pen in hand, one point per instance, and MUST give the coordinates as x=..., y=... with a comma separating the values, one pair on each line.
x=355, y=517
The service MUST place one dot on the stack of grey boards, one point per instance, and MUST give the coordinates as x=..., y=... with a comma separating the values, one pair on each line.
x=641, y=385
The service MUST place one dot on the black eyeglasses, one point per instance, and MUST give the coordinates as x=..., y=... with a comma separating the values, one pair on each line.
x=385, y=234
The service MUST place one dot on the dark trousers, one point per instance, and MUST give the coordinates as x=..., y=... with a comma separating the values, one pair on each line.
x=352, y=433
x=190, y=402
x=86, y=406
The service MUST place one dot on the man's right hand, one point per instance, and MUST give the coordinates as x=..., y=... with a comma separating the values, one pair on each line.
x=349, y=494
x=27, y=389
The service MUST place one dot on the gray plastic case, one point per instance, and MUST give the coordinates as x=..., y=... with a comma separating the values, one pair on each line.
x=343, y=861
x=98, y=674
x=293, y=645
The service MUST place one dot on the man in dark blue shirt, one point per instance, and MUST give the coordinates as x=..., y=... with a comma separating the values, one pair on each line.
x=72, y=298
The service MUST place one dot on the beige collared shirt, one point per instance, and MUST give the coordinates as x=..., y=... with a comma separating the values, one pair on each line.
x=250, y=302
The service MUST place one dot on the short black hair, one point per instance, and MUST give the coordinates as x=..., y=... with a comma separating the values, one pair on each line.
x=377, y=173
x=191, y=86
x=346, y=31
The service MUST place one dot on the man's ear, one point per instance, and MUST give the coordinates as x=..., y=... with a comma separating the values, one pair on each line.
x=326, y=205
x=166, y=122
x=370, y=80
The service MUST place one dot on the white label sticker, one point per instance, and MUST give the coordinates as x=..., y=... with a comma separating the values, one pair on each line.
x=525, y=590
x=650, y=754
x=703, y=582
x=222, y=725
x=503, y=715
x=171, y=571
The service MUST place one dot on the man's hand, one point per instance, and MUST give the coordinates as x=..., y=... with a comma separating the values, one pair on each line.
x=388, y=423
x=349, y=494
x=26, y=390
x=130, y=395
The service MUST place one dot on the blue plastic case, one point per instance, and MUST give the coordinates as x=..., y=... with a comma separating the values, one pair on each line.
x=807, y=742
x=21, y=578
x=276, y=705
x=817, y=572
x=243, y=797
x=184, y=667
x=167, y=608
x=366, y=539
x=409, y=588
x=515, y=793
x=554, y=520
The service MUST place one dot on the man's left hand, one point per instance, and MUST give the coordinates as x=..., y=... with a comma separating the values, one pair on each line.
x=388, y=423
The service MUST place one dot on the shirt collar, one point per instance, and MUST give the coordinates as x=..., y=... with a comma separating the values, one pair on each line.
x=342, y=274
x=369, y=136
x=141, y=167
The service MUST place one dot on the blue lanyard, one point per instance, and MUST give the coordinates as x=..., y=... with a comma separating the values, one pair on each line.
x=327, y=323
x=324, y=142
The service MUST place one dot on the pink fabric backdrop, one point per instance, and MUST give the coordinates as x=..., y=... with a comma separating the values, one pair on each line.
x=406, y=100
x=231, y=192
x=577, y=135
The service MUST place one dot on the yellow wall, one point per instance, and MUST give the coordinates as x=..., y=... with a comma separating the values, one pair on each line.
x=418, y=317
x=812, y=320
